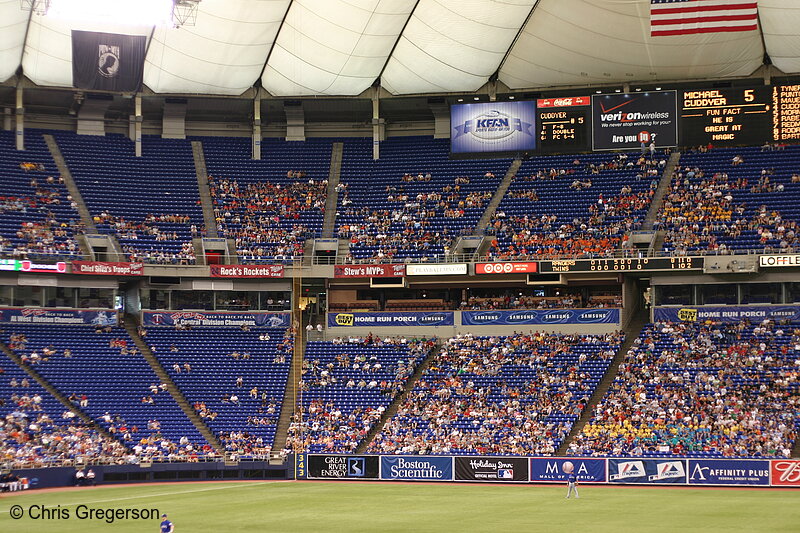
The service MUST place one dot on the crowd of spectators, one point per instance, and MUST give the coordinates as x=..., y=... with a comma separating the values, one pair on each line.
x=540, y=229
x=31, y=438
x=723, y=389
x=268, y=220
x=158, y=239
x=515, y=395
x=521, y=301
x=42, y=230
x=367, y=380
x=409, y=223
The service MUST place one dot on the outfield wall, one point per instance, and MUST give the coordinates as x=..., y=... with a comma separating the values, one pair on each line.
x=63, y=476
x=592, y=470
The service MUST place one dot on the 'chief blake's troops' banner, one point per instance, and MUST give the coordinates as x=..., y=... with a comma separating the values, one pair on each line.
x=107, y=61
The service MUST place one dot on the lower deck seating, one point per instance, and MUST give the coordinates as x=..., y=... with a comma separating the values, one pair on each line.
x=207, y=363
x=702, y=390
x=100, y=370
x=517, y=395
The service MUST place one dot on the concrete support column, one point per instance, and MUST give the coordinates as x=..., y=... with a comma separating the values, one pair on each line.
x=378, y=124
x=257, y=127
x=20, y=121
x=137, y=125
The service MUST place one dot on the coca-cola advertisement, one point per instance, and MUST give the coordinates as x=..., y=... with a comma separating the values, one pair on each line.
x=246, y=271
x=107, y=268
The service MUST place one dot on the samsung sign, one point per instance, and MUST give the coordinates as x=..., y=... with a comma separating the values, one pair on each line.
x=493, y=127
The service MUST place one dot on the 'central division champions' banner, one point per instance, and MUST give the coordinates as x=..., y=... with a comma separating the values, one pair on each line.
x=493, y=127
x=107, y=61
x=625, y=121
x=726, y=313
x=440, y=318
x=540, y=316
x=210, y=318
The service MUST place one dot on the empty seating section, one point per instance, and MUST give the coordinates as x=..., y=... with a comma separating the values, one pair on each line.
x=346, y=387
x=271, y=206
x=205, y=363
x=571, y=205
x=414, y=201
x=37, y=216
x=151, y=203
x=720, y=204
x=517, y=395
x=703, y=390
x=105, y=375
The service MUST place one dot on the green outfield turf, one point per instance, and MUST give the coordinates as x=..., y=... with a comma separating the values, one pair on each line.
x=310, y=506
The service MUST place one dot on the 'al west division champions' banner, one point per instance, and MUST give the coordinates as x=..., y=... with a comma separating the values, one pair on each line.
x=493, y=127
x=42, y=315
x=107, y=61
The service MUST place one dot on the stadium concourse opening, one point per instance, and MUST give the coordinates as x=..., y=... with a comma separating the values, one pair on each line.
x=537, y=266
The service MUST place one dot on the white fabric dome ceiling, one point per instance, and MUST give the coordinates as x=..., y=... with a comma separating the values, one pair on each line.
x=339, y=47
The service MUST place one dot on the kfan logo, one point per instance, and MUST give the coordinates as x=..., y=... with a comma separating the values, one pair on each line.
x=668, y=470
x=492, y=126
x=629, y=469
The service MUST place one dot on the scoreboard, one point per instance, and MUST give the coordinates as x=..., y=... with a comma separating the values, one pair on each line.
x=786, y=112
x=726, y=116
x=563, y=124
x=621, y=265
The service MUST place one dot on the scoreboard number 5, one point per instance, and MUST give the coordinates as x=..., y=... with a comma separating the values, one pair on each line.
x=748, y=95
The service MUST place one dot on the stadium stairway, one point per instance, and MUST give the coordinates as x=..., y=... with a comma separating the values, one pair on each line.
x=54, y=392
x=201, y=171
x=632, y=330
x=391, y=410
x=332, y=200
x=290, y=396
x=661, y=191
x=498, y=196
x=131, y=326
x=69, y=182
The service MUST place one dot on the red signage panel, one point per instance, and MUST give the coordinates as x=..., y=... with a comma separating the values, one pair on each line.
x=369, y=271
x=246, y=271
x=564, y=101
x=786, y=473
x=107, y=268
x=506, y=268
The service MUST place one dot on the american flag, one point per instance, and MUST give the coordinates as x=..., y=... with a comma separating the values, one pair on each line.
x=685, y=17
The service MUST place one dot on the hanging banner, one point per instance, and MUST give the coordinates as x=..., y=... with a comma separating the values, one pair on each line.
x=107, y=61
x=411, y=318
x=246, y=271
x=41, y=315
x=416, y=468
x=492, y=469
x=729, y=472
x=369, y=271
x=342, y=466
x=107, y=269
x=211, y=318
x=552, y=469
x=726, y=313
x=647, y=471
x=540, y=317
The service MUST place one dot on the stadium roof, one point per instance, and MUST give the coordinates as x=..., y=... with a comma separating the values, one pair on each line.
x=340, y=47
